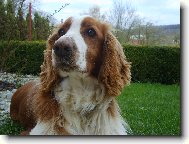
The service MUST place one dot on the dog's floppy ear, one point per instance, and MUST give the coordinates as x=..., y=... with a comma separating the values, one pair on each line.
x=114, y=73
x=48, y=75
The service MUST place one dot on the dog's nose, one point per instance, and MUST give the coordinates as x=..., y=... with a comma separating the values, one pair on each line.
x=64, y=47
x=62, y=51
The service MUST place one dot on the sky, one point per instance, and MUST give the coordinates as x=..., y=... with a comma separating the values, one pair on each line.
x=159, y=12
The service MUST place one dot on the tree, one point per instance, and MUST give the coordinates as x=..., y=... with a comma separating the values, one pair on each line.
x=14, y=20
x=122, y=16
x=2, y=20
x=41, y=26
x=176, y=39
x=95, y=12
x=150, y=33
x=11, y=25
x=22, y=25
x=127, y=24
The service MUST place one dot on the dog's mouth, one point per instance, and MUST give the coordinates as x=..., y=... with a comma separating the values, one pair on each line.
x=64, y=72
x=68, y=68
x=67, y=64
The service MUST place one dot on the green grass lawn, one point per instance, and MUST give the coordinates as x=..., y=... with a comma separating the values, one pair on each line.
x=150, y=109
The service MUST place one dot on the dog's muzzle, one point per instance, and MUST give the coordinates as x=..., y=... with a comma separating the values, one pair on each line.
x=65, y=50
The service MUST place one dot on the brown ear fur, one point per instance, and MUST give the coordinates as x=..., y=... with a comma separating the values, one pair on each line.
x=115, y=70
x=44, y=100
x=48, y=75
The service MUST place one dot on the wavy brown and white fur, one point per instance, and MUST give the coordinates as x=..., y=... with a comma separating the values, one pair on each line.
x=84, y=69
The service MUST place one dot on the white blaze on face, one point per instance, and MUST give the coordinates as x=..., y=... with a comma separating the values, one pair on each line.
x=74, y=33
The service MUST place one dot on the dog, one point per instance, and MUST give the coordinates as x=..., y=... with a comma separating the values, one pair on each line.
x=84, y=69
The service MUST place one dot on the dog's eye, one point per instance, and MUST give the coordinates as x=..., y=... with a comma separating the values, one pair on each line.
x=61, y=32
x=91, y=32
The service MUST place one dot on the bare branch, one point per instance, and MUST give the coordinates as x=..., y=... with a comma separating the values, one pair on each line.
x=121, y=15
x=57, y=11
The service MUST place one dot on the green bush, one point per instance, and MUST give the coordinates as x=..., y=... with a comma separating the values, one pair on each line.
x=149, y=64
x=21, y=57
x=154, y=64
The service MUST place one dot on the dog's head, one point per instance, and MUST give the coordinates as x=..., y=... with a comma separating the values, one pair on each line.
x=85, y=46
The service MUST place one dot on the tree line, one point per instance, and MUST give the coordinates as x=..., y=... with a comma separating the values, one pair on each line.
x=14, y=22
x=128, y=27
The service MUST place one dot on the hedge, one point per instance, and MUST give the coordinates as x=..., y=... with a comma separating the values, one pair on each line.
x=156, y=64
x=21, y=57
x=149, y=64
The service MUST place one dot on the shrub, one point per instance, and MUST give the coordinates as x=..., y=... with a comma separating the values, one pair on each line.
x=149, y=64
x=154, y=64
x=21, y=57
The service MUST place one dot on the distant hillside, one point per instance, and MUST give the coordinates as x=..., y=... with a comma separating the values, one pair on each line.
x=154, y=34
x=175, y=26
x=170, y=34
x=169, y=29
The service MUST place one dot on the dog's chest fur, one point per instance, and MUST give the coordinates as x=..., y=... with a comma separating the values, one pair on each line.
x=83, y=110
